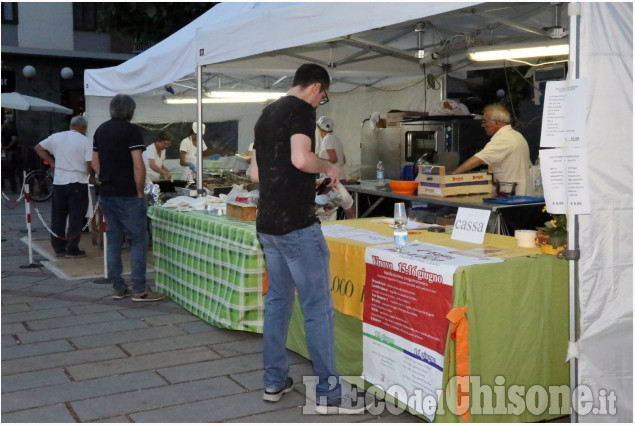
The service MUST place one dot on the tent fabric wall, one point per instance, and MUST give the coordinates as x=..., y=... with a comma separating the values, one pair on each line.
x=348, y=110
x=606, y=238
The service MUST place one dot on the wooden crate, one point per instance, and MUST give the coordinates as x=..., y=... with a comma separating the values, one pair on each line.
x=243, y=212
x=442, y=184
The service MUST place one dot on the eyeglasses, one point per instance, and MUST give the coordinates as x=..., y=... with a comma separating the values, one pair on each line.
x=325, y=99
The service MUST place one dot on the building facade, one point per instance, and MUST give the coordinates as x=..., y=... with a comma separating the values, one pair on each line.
x=46, y=46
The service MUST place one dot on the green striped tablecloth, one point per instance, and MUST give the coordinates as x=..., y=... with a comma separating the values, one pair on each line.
x=212, y=266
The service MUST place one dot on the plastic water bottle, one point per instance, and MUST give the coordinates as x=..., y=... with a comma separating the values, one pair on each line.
x=400, y=235
x=380, y=171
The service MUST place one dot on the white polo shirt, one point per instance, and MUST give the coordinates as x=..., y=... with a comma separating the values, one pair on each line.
x=71, y=150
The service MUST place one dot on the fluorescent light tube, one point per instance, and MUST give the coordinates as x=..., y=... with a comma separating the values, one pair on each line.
x=518, y=52
x=192, y=100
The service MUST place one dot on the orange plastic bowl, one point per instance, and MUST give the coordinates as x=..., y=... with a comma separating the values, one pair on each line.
x=404, y=187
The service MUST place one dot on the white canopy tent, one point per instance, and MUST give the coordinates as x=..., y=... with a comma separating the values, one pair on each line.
x=251, y=44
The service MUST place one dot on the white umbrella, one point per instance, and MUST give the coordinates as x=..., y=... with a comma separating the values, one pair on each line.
x=29, y=103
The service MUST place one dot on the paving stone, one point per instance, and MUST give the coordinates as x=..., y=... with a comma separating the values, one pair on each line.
x=155, y=398
x=8, y=341
x=147, y=362
x=183, y=373
x=196, y=327
x=82, y=390
x=80, y=330
x=22, y=279
x=36, y=349
x=35, y=315
x=163, y=319
x=114, y=420
x=40, y=378
x=19, y=299
x=253, y=380
x=12, y=328
x=95, y=308
x=248, y=346
x=14, y=308
x=219, y=409
x=61, y=322
x=44, y=303
x=134, y=335
x=166, y=344
x=47, y=361
x=139, y=313
x=49, y=414
x=296, y=415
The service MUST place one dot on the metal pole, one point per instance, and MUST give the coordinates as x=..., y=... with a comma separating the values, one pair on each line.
x=199, y=131
x=27, y=210
x=572, y=219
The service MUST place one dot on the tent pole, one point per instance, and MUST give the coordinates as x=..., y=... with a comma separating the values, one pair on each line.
x=199, y=131
x=572, y=219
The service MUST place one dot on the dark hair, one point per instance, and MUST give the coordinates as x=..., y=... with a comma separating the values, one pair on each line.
x=164, y=135
x=311, y=73
x=122, y=107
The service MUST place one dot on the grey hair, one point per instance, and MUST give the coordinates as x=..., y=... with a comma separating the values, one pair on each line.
x=122, y=107
x=498, y=113
x=78, y=121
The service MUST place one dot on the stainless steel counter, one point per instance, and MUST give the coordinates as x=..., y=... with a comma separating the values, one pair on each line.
x=497, y=222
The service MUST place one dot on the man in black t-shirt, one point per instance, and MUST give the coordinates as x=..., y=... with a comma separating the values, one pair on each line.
x=117, y=150
x=284, y=163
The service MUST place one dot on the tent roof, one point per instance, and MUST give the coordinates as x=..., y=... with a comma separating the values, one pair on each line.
x=248, y=45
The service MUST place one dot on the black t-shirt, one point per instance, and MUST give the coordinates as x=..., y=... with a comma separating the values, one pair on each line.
x=287, y=195
x=7, y=137
x=113, y=142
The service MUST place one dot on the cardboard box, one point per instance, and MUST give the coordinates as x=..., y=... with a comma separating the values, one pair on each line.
x=440, y=184
x=394, y=117
x=245, y=212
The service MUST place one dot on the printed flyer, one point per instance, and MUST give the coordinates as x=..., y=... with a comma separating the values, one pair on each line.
x=408, y=295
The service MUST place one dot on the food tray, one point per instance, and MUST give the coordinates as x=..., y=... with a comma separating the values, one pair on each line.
x=514, y=200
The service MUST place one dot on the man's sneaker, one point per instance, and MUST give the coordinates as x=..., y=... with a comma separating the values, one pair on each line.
x=350, y=404
x=276, y=396
x=76, y=254
x=147, y=296
x=122, y=293
x=60, y=253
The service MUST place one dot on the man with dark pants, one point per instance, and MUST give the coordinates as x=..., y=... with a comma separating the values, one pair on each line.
x=296, y=254
x=70, y=154
x=117, y=158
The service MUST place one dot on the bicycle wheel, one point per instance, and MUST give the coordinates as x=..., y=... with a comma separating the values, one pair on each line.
x=40, y=185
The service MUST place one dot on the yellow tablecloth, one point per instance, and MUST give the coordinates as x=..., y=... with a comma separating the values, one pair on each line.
x=348, y=267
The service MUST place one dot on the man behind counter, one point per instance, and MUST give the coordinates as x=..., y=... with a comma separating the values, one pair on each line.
x=507, y=152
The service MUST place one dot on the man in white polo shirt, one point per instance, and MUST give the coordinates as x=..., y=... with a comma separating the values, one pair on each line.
x=507, y=152
x=70, y=154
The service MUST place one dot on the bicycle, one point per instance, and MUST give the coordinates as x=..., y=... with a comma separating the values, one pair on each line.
x=40, y=183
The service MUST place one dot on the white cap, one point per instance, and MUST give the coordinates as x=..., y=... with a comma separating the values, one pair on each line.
x=195, y=127
x=325, y=123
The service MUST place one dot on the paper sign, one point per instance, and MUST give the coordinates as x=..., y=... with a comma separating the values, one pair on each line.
x=565, y=180
x=564, y=114
x=470, y=225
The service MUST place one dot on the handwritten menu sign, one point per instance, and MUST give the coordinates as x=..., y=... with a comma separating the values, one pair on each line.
x=564, y=114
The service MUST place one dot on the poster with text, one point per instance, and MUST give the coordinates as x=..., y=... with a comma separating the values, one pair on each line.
x=564, y=114
x=407, y=296
x=565, y=180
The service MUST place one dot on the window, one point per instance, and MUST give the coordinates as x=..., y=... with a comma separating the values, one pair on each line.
x=9, y=12
x=85, y=16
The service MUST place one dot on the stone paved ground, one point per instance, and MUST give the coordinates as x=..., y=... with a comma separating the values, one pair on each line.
x=72, y=354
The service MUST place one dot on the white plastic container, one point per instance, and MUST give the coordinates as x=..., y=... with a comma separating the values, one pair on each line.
x=525, y=238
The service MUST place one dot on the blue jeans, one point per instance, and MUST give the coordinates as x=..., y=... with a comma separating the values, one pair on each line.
x=299, y=260
x=129, y=213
